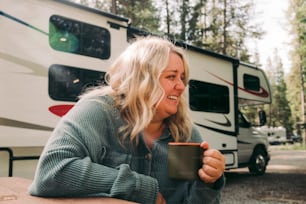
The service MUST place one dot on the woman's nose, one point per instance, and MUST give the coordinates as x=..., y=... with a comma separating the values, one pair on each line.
x=180, y=84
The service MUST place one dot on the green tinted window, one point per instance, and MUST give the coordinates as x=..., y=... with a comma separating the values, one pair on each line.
x=76, y=37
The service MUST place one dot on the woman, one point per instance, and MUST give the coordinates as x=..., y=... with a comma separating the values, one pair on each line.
x=113, y=143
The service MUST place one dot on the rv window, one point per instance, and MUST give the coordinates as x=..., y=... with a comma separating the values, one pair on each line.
x=251, y=82
x=243, y=121
x=76, y=37
x=208, y=97
x=67, y=83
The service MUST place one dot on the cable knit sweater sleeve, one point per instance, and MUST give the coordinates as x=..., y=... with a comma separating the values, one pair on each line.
x=75, y=160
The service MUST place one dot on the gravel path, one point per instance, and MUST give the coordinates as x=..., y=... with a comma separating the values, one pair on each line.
x=283, y=183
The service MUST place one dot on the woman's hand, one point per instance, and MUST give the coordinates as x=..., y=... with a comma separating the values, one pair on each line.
x=160, y=199
x=213, y=164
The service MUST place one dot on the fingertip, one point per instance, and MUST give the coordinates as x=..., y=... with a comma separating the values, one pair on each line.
x=204, y=145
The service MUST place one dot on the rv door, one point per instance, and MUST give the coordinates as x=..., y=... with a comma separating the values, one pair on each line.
x=212, y=91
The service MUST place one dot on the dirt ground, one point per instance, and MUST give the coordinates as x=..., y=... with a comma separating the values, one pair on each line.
x=284, y=181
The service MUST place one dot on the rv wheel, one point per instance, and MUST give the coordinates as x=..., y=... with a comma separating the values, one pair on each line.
x=258, y=163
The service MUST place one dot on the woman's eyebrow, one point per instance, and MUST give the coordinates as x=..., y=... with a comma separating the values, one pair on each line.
x=171, y=70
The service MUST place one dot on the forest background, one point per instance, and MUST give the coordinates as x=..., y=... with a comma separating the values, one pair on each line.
x=225, y=26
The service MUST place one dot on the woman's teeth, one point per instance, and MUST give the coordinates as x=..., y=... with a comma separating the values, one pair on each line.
x=172, y=97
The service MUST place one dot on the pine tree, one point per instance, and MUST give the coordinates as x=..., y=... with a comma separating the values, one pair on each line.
x=296, y=80
x=280, y=110
x=226, y=26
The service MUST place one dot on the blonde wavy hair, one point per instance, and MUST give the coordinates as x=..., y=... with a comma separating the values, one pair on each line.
x=133, y=82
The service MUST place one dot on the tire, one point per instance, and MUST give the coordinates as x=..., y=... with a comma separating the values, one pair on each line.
x=258, y=162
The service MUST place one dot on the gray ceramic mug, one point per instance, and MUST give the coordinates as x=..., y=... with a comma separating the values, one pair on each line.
x=184, y=160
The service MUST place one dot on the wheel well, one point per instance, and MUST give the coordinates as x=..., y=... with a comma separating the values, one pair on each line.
x=260, y=147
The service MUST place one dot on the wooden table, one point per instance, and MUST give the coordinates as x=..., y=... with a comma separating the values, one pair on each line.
x=14, y=190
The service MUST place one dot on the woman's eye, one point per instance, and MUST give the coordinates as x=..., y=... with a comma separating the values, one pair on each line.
x=171, y=77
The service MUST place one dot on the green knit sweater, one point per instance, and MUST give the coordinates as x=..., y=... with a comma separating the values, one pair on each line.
x=83, y=158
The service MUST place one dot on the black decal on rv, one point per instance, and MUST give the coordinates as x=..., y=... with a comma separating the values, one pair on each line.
x=243, y=142
x=226, y=124
x=228, y=133
x=22, y=22
x=21, y=124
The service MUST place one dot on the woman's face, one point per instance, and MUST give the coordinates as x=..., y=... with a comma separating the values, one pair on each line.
x=172, y=82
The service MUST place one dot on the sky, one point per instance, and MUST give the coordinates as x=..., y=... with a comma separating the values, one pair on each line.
x=272, y=18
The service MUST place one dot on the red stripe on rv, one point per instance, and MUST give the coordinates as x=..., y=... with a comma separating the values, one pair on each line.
x=262, y=93
x=60, y=110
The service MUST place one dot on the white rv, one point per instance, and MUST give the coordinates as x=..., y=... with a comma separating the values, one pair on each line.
x=52, y=50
